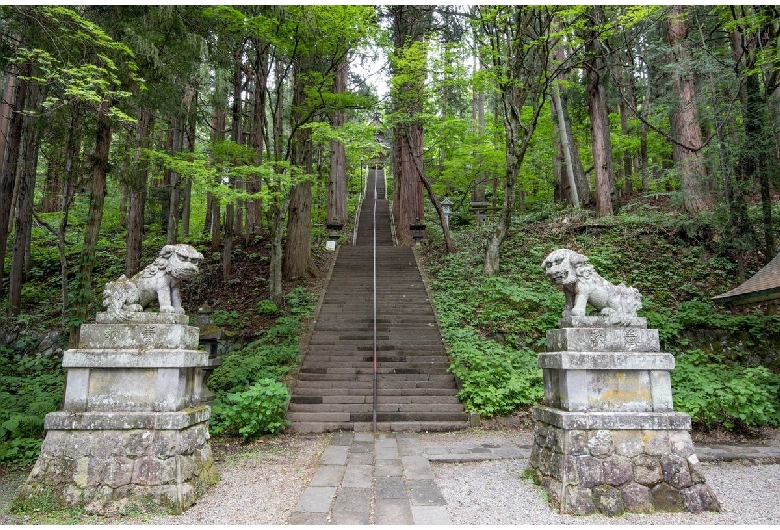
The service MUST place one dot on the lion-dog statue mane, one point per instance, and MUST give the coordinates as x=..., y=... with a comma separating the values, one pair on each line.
x=582, y=285
x=160, y=281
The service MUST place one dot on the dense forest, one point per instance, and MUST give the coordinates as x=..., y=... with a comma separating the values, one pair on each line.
x=247, y=130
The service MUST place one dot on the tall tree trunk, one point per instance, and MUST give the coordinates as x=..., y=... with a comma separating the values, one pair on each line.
x=235, y=136
x=449, y=246
x=410, y=24
x=337, y=182
x=571, y=180
x=511, y=124
x=136, y=187
x=743, y=238
x=261, y=72
x=599, y=119
x=25, y=195
x=298, y=262
x=278, y=205
x=297, y=251
x=94, y=220
x=686, y=130
x=187, y=143
x=52, y=187
x=521, y=57
x=6, y=112
x=174, y=183
x=218, y=120
x=11, y=160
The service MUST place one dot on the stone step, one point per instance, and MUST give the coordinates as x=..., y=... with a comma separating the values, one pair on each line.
x=317, y=390
x=381, y=416
x=369, y=398
x=360, y=360
x=334, y=388
x=368, y=369
x=405, y=387
x=352, y=408
x=397, y=426
x=385, y=378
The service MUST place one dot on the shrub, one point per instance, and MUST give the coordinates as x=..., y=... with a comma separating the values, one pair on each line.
x=30, y=388
x=716, y=393
x=257, y=410
x=256, y=360
x=494, y=379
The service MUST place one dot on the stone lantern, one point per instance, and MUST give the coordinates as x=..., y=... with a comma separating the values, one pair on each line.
x=446, y=206
x=418, y=231
x=334, y=231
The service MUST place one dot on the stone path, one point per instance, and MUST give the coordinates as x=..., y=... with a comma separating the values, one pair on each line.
x=368, y=479
x=387, y=478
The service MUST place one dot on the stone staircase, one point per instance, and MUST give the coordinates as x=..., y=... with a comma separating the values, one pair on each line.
x=334, y=390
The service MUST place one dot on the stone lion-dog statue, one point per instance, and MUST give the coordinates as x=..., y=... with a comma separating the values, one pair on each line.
x=582, y=285
x=160, y=281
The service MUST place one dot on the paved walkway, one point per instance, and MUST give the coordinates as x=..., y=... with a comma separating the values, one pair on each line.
x=387, y=478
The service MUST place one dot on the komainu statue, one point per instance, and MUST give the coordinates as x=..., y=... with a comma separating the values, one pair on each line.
x=582, y=285
x=159, y=281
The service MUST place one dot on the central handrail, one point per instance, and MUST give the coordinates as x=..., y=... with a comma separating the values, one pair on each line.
x=374, y=316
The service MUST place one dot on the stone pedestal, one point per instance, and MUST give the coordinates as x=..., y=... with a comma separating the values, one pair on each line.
x=606, y=439
x=132, y=429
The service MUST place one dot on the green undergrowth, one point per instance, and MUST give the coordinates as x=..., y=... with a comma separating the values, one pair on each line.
x=494, y=326
x=30, y=387
x=251, y=397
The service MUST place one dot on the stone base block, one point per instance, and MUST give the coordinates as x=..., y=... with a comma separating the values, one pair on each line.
x=105, y=462
x=611, y=471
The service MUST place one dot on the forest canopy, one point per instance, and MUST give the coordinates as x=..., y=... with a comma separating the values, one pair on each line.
x=241, y=122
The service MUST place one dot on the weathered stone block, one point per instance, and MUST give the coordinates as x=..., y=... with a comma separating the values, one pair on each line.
x=608, y=500
x=577, y=442
x=552, y=441
x=636, y=498
x=169, y=470
x=147, y=471
x=144, y=318
x=656, y=442
x=647, y=470
x=667, y=499
x=553, y=489
x=118, y=472
x=595, y=360
x=613, y=339
x=589, y=471
x=166, y=443
x=600, y=443
x=694, y=466
x=681, y=443
x=133, y=358
x=147, y=336
x=675, y=471
x=534, y=459
x=627, y=443
x=617, y=470
x=579, y=501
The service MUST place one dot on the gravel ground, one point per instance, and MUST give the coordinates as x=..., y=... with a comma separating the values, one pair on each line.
x=496, y=492
x=261, y=483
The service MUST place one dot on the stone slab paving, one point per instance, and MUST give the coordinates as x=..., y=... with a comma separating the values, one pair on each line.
x=383, y=479
x=387, y=479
